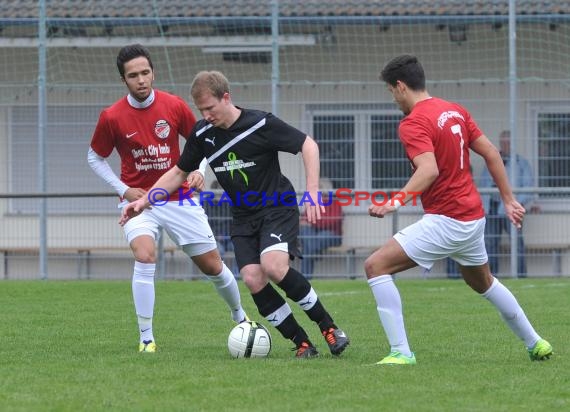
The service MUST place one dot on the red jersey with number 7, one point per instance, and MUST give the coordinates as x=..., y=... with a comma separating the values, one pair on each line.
x=447, y=130
x=146, y=139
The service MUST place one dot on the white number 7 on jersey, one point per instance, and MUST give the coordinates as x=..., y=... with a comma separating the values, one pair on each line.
x=456, y=129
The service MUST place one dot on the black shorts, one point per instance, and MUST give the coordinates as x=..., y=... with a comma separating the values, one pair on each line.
x=251, y=236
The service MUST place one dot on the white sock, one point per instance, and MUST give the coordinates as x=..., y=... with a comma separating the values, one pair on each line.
x=143, y=296
x=228, y=289
x=145, y=328
x=389, y=306
x=511, y=312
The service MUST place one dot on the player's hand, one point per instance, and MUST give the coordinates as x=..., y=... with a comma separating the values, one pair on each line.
x=134, y=193
x=314, y=212
x=380, y=211
x=196, y=181
x=515, y=212
x=131, y=210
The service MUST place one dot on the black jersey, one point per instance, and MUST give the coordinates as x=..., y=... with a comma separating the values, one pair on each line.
x=245, y=159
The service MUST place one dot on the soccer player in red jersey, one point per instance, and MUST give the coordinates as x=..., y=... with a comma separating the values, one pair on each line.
x=145, y=127
x=437, y=136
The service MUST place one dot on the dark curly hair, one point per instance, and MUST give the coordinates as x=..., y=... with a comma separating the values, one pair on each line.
x=130, y=52
x=407, y=69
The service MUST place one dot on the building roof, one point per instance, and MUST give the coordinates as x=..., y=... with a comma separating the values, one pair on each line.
x=17, y=9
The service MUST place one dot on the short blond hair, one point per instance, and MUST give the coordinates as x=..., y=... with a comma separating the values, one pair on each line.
x=213, y=82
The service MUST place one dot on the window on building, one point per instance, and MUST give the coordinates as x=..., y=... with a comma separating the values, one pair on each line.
x=335, y=136
x=390, y=165
x=360, y=148
x=553, y=151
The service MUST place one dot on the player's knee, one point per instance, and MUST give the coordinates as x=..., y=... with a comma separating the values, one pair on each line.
x=273, y=269
x=144, y=249
x=253, y=283
x=145, y=256
x=249, y=282
x=210, y=263
x=254, y=280
x=371, y=268
x=212, y=267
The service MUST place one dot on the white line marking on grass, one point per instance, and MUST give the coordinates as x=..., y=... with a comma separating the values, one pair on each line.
x=528, y=286
x=548, y=285
x=440, y=289
x=557, y=285
x=348, y=292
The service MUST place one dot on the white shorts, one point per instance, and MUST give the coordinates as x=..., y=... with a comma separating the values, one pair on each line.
x=435, y=237
x=185, y=225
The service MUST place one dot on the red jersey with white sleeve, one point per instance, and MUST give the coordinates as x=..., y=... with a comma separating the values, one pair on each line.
x=146, y=138
x=447, y=130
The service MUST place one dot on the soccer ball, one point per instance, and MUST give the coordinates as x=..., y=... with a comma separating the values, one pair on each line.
x=249, y=340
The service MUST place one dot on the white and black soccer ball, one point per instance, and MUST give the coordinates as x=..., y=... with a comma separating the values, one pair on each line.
x=249, y=340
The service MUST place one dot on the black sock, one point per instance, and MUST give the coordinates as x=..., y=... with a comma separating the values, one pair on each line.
x=298, y=289
x=268, y=301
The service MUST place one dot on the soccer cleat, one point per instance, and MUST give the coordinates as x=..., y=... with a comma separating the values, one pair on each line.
x=542, y=350
x=306, y=351
x=147, y=346
x=336, y=339
x=396, y=358
x=246, y=319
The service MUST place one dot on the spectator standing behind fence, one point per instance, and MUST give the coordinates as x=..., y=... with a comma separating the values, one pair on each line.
x=497, y=221
x=316, y=237
x=242, y=147
x=145, y=127
x=437, y=136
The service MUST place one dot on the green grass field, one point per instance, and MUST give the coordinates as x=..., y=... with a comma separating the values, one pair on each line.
x=72, y=346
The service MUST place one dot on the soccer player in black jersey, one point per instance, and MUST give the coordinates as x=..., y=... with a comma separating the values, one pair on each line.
x=242, y=148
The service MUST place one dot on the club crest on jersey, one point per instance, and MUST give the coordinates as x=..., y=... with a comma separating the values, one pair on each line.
x=162, y=129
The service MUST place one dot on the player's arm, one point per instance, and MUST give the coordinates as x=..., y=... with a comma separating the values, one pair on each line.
x=196, y=178
x=102, y=169
x=188, y=121
x=102, y=145
x=513, y=209
x=426, y=172
x=310, y=153
x=193, y=160
x=168, y=183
